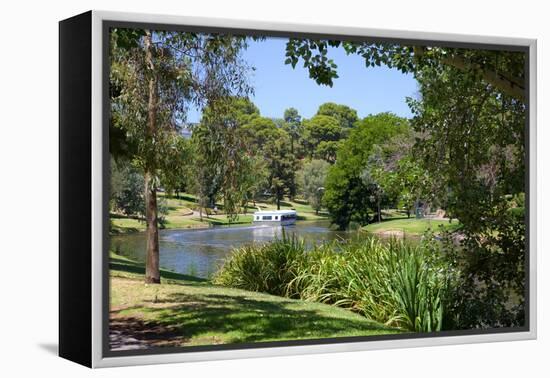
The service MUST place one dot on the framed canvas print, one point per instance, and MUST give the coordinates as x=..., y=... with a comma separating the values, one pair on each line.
x=236, y=188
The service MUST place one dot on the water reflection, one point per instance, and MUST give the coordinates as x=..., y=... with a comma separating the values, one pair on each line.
x=200, y=252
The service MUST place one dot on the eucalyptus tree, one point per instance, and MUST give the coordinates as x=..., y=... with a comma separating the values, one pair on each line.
x=223, y=164
x=312, y=182
x=272, y=144
x=293, y=124
x=154, y=77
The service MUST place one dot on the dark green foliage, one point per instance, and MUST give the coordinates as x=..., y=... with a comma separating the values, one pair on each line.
x=188, y=69
x=492, y=280
x=345, y=115
x=351, y=193
x=293, y=125
x=220, y=166
x=321, y=136
x=473, y=143
x=127, y=190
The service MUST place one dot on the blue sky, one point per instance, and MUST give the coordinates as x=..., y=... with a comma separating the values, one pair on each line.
x=279, y=86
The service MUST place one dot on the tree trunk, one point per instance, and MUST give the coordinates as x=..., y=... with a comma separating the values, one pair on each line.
x=152, y=269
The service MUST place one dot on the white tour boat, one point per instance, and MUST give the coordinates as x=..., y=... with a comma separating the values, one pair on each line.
x=279, y=217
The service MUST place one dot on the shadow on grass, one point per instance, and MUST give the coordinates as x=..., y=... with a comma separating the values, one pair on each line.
x=115, y=230
x=389, y=217
x=185, y=198
x=287, y=204
x=207, y=318
x=122, y=265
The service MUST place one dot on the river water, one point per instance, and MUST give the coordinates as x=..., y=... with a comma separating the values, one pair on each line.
x=200, y=252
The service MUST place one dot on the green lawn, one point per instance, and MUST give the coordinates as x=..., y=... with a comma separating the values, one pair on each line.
x=180, y=215
x=410, y=225
x=185, y=310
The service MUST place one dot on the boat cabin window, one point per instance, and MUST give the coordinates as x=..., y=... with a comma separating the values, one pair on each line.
x=276, y=217
x=257, y=217
x=266, y=217
x=288, y=216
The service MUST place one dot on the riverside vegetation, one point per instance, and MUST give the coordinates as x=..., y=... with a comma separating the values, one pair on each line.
x=395, y=283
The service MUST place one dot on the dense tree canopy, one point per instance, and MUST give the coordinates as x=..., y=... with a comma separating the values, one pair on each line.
x=321, y=136
x=345, y=115
x=351, y=192
x=472, y=143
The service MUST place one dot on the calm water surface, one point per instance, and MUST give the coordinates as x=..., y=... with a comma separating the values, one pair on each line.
x=200, y=252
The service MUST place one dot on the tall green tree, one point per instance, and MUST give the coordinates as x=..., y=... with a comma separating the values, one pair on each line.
x=281, y=166
x=351, y=192
x=267, y=141
x=154, y=76
x=293, y=125
x=473, y=141
x=345, y=115
x=322, y=134
x=224, y=161
x=312, y=182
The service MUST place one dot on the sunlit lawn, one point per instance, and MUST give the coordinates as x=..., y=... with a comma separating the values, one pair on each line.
x=184, y=310
x=411, y=225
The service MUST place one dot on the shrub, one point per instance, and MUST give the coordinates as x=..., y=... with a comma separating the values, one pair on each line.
x=394, y=283
x=267, y=268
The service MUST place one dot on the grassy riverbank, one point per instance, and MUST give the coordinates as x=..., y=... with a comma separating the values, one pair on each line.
x=410, y=226
x=183, y=213
x=185, y=310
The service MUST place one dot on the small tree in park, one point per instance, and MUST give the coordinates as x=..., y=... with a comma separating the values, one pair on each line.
x=154, y=77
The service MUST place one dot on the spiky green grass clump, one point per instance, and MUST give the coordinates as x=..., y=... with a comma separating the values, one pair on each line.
x=395, y=283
